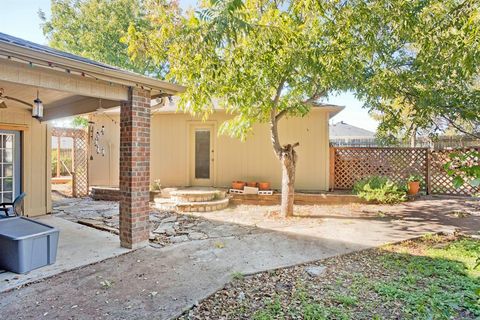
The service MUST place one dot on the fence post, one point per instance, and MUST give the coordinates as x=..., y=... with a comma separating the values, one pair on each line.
x=74, y=171
x=74, y=186
x=332, y=169
x=427, y=173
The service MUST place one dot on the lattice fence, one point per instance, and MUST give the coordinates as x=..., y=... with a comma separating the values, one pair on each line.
x=351, y=164
x=80, y=158
x=440, y=181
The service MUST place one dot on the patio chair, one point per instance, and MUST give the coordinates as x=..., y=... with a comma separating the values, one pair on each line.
x=12, y=209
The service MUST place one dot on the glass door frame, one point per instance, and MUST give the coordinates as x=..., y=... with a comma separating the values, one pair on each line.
x=17, y=163
x=192, y=128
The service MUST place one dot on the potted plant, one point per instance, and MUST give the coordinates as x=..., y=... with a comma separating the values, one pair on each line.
x=264, y=185
x=238, y=185
x=413, y=184
x=252, y=184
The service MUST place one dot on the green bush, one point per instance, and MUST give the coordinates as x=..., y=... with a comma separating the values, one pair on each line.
x=379, y=189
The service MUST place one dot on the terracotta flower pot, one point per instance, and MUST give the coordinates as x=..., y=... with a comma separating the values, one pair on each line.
x=252, y=184
x=413, y=187
x=238, y=185
x=264, y=185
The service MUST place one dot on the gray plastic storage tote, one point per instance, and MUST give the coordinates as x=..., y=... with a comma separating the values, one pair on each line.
x=26, y=244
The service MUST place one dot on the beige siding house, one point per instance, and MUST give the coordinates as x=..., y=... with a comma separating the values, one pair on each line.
x=34, y=77
x=186, y=151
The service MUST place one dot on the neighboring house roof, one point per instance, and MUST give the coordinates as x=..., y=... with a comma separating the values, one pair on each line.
x=30, y=51
x=342, y=130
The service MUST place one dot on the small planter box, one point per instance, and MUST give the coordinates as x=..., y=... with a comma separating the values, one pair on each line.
x=26, y=244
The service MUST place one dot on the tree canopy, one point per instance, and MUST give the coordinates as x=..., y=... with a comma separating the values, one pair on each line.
x=95, y=29
x=426, y=66
x=416, y=63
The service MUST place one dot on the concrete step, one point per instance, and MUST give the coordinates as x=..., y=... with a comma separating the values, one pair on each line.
x=165, y=204
x=196, y=195
x=216, y=200
x=205, y=206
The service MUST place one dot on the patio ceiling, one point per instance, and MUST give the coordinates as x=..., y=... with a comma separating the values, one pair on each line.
x=57, y=104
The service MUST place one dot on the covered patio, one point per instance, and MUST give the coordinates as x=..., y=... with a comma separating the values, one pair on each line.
x=67, y=85
x=78, y=247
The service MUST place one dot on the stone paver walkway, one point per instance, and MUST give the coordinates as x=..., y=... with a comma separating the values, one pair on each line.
x=166, y=227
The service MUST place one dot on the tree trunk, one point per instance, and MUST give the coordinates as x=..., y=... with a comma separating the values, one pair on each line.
x=286, y=154
x=289, y=162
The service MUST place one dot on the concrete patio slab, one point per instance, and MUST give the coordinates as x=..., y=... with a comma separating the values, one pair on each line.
x=78, y=246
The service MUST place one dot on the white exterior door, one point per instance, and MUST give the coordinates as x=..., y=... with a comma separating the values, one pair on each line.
x=202, y=155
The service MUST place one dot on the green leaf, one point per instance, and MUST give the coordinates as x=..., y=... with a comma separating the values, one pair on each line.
x=458, y=181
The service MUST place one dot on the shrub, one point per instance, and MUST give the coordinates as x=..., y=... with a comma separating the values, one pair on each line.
x=415, y=177
x=380, y=190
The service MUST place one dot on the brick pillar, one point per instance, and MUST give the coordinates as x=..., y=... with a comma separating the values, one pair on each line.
x=135, y=169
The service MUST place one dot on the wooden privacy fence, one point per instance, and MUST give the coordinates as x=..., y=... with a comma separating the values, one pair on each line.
x=350, y=164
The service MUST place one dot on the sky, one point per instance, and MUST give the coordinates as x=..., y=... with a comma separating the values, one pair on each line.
x=20, y=19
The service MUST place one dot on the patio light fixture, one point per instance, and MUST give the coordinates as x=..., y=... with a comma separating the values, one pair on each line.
x=37, y=110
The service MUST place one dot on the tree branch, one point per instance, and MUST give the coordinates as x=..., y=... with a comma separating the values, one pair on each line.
x=459, y=128
x=273, y=120
x=281, y=114
x=315, y=96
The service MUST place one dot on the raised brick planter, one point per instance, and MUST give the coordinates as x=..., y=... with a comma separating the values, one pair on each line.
x=105, y=194
x=300, y=198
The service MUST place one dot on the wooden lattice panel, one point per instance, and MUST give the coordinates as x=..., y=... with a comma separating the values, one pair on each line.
x=440, y=181
x=353, y=164
x=80, y=158
x=80, y=143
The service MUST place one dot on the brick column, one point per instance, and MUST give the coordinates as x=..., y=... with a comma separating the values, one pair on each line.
x=135, y=169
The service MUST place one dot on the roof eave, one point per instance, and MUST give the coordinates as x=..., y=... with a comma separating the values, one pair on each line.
x=332, y=109
x=116, y=76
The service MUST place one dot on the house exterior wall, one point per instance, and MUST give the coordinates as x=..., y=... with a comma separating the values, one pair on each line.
x=252, y=160
x=35, y=160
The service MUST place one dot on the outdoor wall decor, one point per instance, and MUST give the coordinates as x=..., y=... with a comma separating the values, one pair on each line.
x=95, y=142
